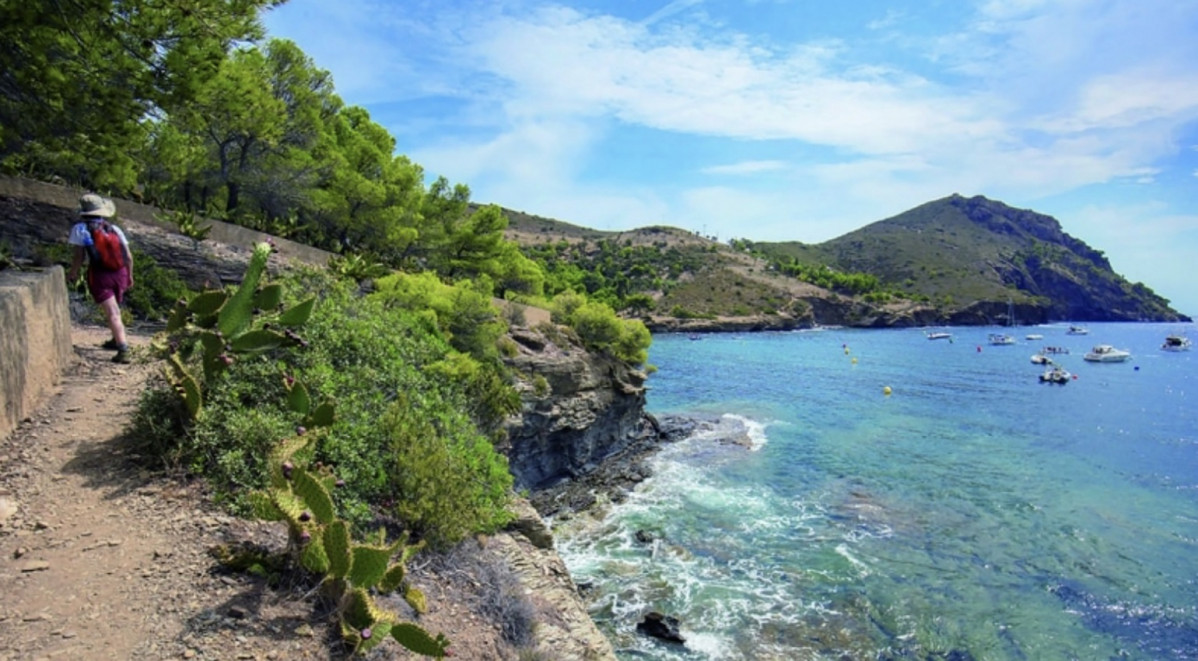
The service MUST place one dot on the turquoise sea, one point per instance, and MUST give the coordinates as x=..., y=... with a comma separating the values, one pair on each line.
x=973, y=513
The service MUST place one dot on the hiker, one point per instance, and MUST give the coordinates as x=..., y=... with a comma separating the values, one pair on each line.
x=109, y=264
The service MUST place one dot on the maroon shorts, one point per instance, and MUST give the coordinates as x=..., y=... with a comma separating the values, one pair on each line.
x=103, y=285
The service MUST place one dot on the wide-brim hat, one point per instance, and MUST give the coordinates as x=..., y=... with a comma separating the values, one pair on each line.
x=95, y=205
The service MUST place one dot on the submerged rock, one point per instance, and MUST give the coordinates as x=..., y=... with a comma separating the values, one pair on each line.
x=661, y=626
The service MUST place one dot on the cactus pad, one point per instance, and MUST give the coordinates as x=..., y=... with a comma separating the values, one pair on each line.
x=298, y=399
x=257, y=340
x=264, y=507
x=393, y=578
x=337, y=547
x=313, y=556
x=313, y=493
x=419, y=641
x=416, y=600
x=298, y=314
x=369, y=565
x=207, y=303
x=322, y=416
x=269, y=296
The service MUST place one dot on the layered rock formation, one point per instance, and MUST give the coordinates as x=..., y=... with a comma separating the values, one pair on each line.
x=579, y=408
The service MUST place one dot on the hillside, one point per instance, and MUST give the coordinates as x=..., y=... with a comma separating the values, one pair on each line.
x=695, y=284
x=956, y=260
x=974, y=252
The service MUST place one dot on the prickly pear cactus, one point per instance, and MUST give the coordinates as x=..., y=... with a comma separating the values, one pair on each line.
x=321, y=543
x=214, y=328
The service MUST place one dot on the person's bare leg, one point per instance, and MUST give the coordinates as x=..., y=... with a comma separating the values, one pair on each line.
x=113, y=313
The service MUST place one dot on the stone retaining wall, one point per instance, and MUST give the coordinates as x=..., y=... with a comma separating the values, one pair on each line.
x=35, y=340
x=221, y=232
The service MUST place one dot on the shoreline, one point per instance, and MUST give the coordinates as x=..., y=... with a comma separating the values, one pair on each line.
x=618, y=473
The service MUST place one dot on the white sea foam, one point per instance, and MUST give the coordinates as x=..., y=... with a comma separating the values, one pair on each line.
x=710, y=645
x=862, y=568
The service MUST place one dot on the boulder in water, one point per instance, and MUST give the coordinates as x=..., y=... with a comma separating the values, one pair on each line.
x=662, y=626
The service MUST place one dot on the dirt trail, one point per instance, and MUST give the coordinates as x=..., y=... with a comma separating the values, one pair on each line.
x=101, y=558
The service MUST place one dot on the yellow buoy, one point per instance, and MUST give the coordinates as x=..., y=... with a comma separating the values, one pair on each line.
x=854, y=361
x=886, y=390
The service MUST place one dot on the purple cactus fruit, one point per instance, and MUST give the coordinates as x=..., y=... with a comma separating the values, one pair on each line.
x=305, y=516
x=287, y=468
x=339, y=483
x=367, y=633
x=289, y=379
x=226, y=359
x=301, y=430
x=256, y=311
x=305, y=537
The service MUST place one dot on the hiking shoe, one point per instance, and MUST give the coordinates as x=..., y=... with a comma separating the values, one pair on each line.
x=122, y=356
x=110, y=344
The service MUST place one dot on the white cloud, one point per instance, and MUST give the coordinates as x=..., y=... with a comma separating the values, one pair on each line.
x=558, y=60
x=745, y=167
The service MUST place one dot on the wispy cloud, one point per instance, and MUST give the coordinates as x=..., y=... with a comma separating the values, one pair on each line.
x=669, y=10
x=745, y=167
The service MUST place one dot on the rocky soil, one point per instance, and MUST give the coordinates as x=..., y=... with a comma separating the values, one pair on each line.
x=104, y=556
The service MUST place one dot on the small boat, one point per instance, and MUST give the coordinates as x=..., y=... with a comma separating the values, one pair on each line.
x=1077, y=330
x=693, y=337
x=1001, y=339
x=1035, y=336
x=1052, y=351
x=1105, y=353
x=1041, y=359
x=1056, y=374
x=1176, y=343
x=940, y=336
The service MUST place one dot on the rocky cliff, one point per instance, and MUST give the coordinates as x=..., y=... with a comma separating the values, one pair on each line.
x=579, y=408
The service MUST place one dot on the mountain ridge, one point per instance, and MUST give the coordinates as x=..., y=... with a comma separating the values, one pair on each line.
x=956, y=260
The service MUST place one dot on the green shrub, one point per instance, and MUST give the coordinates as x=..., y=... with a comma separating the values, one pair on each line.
x=447, y=479
x=600, y=329
x=155, y=288
x=372, y=359
x=463, y=311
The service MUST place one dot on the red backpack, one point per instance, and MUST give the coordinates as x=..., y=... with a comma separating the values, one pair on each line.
x=106, y=250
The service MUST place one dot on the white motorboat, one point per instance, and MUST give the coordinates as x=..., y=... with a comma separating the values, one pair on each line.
x=1077, y=330
x=1056, y=374
x=1176, y=343
x=1105, y=353
x=1041, y=359
x=940, y=336
x=1001, y=338
x=1035, y=336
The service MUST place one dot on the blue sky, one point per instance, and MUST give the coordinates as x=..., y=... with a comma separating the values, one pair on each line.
x=780, y=120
